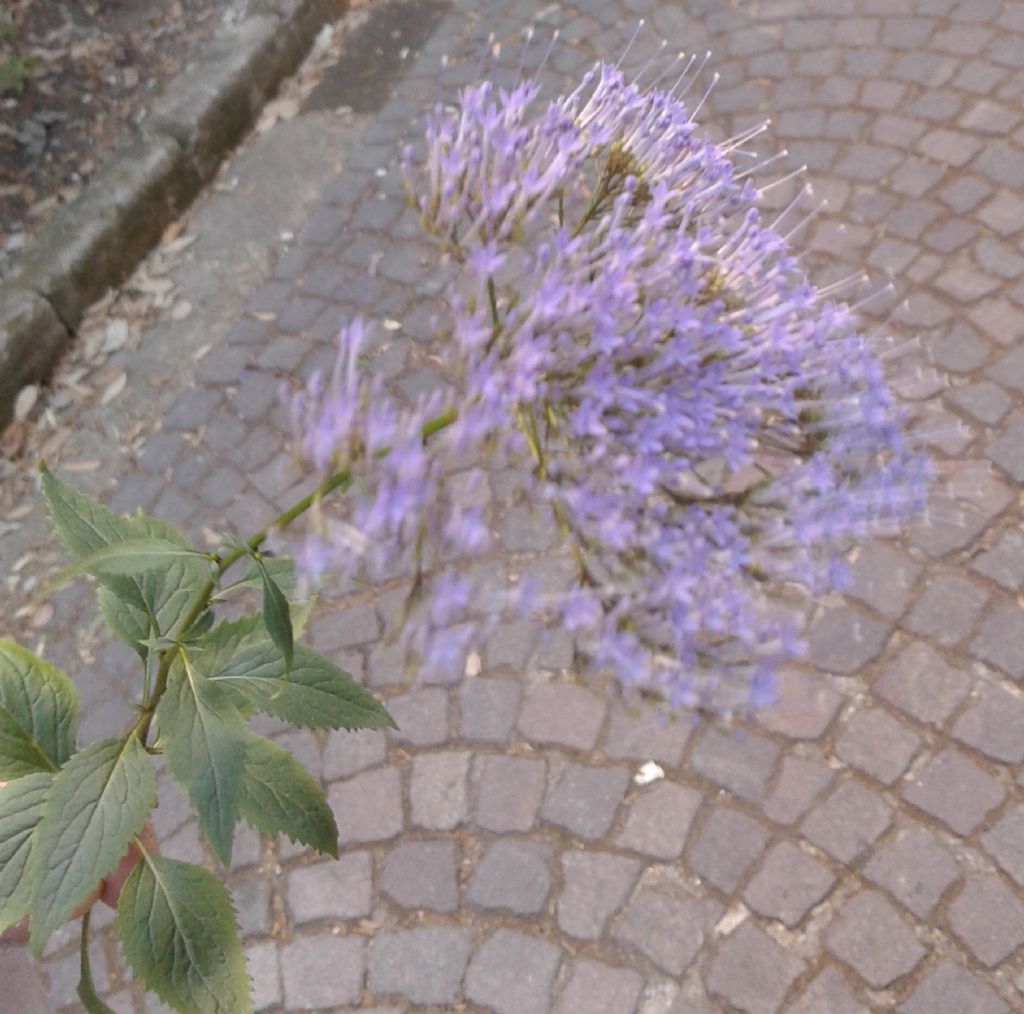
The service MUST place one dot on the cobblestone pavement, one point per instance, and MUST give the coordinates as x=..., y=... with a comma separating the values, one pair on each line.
x=861, y=847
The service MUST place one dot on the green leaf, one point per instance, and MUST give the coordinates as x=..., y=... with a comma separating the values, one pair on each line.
x=203, y=736
x=178, y=930
x=280, y=795
x=21, y=807
x=86, y=987
x=277, y=616
x=314, y=693
x=82, y=524
x=135, y=607
x=215, y=650
x=128, y=558
x=98, y=801
x=280, y=568
x=38, y=713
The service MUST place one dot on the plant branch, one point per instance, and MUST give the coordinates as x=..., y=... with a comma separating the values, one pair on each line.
x=340, y=480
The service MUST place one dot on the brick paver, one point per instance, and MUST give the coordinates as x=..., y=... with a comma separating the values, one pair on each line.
x=857, y=849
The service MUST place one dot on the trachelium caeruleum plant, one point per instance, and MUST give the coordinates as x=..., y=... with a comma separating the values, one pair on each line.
x=704, y=425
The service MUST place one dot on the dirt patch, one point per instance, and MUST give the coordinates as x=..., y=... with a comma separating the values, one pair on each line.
x=75, y=76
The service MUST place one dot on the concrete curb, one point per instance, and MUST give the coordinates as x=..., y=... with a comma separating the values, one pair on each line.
x=96, y=240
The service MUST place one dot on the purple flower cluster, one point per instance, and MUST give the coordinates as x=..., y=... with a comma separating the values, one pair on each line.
x=703, y=423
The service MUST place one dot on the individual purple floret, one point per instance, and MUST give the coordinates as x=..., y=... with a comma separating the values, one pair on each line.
x=704, y=425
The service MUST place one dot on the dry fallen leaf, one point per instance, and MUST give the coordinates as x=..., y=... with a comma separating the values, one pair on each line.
x=114, y=389
x=41, y=616
x=175, y=246
x=152, y=286
x=115, y=335
x=25, y=401
x=172, y=232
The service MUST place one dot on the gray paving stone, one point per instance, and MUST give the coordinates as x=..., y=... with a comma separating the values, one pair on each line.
x=584, y=800
x=844, y=640
x=422, y=717
x=987, y=918
x=1004, y=213
x=386, y=665
x=342, y=628
x=261, y=964
x=349, y=752
x=424, y=965
x=1004, y=562
x=509, y=793
x=949, y=988
x=1007, y=451
x=367, y=807
x=828, y=993
x=555, y=650
x=322, y=971
x=488, y=709
x=659, y=820
x=920, y=683
x=959, y=349
x=667, y=925
x=562, y=714
x=993, y=724
x=726, y=847
x=742, y=762
x=955, y=790
x=806, y=705
x=512, y=874
x=251, y=898
x=184, y=845
x=600, y=989
x=422, y=874
x=513, y=973
x=1005, y=843
x=947, y=610
x=511, y=645
x=848, y=822
x=876, y=743
x=338, y=889
x=302, y=745
x=800, y=781
x=752, y=972
x=439, y=789
x=874, y=940
x=914, y=868
x=788, y=885
x=595, y=885
x=1009, y=371
x=999, y=640
x=983, y=401
x=524, y=531
x=247, y=848
x=642, y=733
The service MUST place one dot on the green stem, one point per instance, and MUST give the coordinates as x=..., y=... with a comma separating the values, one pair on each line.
x=339, y=480
x=599, y=194
x=86, y=988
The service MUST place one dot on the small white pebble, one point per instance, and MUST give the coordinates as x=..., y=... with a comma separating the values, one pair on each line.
x=650, y=772
x=733, y=918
